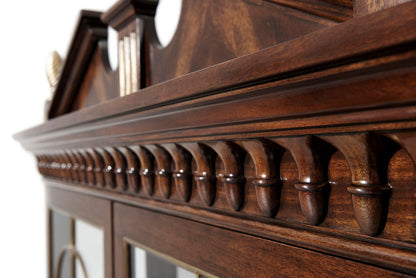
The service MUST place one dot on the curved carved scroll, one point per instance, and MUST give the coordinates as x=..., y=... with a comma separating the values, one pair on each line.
x=120, y=166
x=407, y=140
x=313, y=186
x=133, y=169
x=182, y=174
x=163, y=174
x=81, y=169
x=368, y=156
x=205, y=171
x=146, y=172
x=108, y=170
x=233, y=177
x=61, y=170
x=41, y=164
x=98, y=166
x=46, y=165
x=75, y=166
x=89, y=167
x=267, y=182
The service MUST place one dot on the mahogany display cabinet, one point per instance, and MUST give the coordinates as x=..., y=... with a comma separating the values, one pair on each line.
x=269, y=138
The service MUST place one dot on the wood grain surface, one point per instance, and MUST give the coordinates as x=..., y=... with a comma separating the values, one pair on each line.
x=268, y=138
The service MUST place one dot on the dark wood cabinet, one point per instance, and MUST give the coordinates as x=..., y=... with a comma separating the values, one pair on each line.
x=267, y=139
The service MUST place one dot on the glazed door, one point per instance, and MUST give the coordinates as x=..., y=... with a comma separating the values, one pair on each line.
x=80, y=235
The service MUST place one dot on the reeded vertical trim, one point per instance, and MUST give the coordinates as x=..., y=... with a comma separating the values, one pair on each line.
x=122, y=67
x=135, y=62
x=127, y=65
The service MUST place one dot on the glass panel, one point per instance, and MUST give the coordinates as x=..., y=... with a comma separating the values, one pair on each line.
x=138, y=263
x=184, y=273
x=89, y=242
x=144, y=264
x=60, y=238
x=157, y=267
x=77, y=248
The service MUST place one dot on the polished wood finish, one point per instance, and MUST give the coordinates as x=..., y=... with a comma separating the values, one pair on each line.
x=228, y=254
x=293, y=145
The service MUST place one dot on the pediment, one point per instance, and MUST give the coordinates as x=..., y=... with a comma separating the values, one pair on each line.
x=209, y=33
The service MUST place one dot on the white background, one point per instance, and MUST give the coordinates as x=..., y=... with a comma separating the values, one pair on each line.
x=30, y=30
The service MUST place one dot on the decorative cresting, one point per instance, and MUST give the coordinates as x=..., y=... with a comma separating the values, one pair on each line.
x=155, y=169
x=311, y=156
x=368, y=156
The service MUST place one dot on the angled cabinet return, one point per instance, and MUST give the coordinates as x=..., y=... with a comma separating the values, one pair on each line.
x=268, y=139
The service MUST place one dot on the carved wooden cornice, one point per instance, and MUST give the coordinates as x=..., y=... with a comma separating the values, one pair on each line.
x=142, y=170
x=302, y=183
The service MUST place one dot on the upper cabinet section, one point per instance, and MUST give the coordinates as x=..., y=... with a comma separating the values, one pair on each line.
x=208, y=33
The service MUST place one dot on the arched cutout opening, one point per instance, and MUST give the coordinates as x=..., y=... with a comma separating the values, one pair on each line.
x=112, y=46
x=167, y=19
